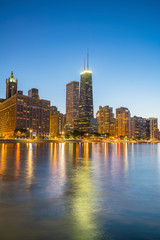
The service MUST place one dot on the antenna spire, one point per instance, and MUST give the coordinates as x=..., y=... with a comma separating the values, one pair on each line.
x=87, y=59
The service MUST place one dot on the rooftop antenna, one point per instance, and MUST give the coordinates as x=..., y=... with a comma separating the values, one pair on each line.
x=87, y=59
x=84, y=63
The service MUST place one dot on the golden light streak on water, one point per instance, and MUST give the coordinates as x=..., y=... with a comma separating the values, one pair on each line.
x=62, y=163
x=3, y=160
x=55, y=156
x=83, y=206
x=17, y=169
x=86, y=153
x=30, y=164
x=125, y=157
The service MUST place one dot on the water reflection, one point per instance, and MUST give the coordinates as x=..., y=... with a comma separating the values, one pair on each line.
x=30, y=165
x=3, y=159
x=17, y=168
x=79, y=191
x=84, y=206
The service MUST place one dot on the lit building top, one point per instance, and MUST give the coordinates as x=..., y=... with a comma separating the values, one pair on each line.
x=86, y=71
x=11, y=78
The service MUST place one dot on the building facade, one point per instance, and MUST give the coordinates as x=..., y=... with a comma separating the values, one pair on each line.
x=138, y=127
x=86, y=95
x=33, y=92
x=123, y=128
x=72, y=102
x=86, y=125
x=106, y=121
x=57, y=122
x=152, y=128
x=11, y=86
x=86, y=122
x=21, y=112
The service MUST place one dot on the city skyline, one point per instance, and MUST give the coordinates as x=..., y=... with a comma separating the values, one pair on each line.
x=124, y=54
x=96, y=110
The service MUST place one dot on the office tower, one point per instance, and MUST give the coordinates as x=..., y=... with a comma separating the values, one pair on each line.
x=72, y=102
x=138, y=127
x=86, y=95
x=24, y=113
x=148, y=129
x=33, y=92
x=106, y=121
x=57, y=122
x=152, y=128
x=86, y=123
x=11, y=86
x=123, y=122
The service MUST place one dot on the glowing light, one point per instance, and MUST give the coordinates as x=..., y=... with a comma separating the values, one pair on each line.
x=30, y=164
x=2, y=163
x=86, y=71
x=17, y=159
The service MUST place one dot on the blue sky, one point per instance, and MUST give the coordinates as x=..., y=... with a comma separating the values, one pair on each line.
x=44, y=43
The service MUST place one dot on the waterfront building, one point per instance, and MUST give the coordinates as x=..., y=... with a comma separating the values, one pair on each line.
x=72, y=102
x=11, y=86
x=152, y=128
x=86, y=95
x=86, y=122
x=106, y=121
x=57, y=122
x=148, y=129
x=24, y=113
x=86, y=125
x=123, y=128
x=138, y=127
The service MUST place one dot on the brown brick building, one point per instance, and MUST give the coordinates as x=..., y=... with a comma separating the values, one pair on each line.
x=21, y=112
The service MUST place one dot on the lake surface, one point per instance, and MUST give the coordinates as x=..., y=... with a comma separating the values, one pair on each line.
x=79, y=191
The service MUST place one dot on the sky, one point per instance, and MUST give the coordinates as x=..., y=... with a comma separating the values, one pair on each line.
x=44, y=43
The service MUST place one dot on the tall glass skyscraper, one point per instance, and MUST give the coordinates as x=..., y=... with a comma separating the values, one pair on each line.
x=72, y=102
x=86, y=95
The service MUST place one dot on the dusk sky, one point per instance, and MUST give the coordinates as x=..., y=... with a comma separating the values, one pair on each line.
x=44, y=43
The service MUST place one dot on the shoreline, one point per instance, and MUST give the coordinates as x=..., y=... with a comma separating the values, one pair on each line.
x=73, y=141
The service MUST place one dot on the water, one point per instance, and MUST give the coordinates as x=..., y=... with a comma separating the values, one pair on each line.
x=70, y=191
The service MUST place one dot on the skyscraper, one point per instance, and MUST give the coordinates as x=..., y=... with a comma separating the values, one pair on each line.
x=72, y=102
x=86, y=95
x=57, y=122
x=138, y=127
x=11, y=86
x=106, y=120
x=123, y=128
x=86, y=123
x=152, y=128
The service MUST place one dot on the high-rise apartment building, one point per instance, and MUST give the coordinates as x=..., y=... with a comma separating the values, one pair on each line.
x=138, y=127
x=152, y=128
x=72, y=102
x=57, y=122
x=11, y=86
x=123, y=128
x=106, y=121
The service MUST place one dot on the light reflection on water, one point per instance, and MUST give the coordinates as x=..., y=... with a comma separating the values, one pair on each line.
x=80, y=191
